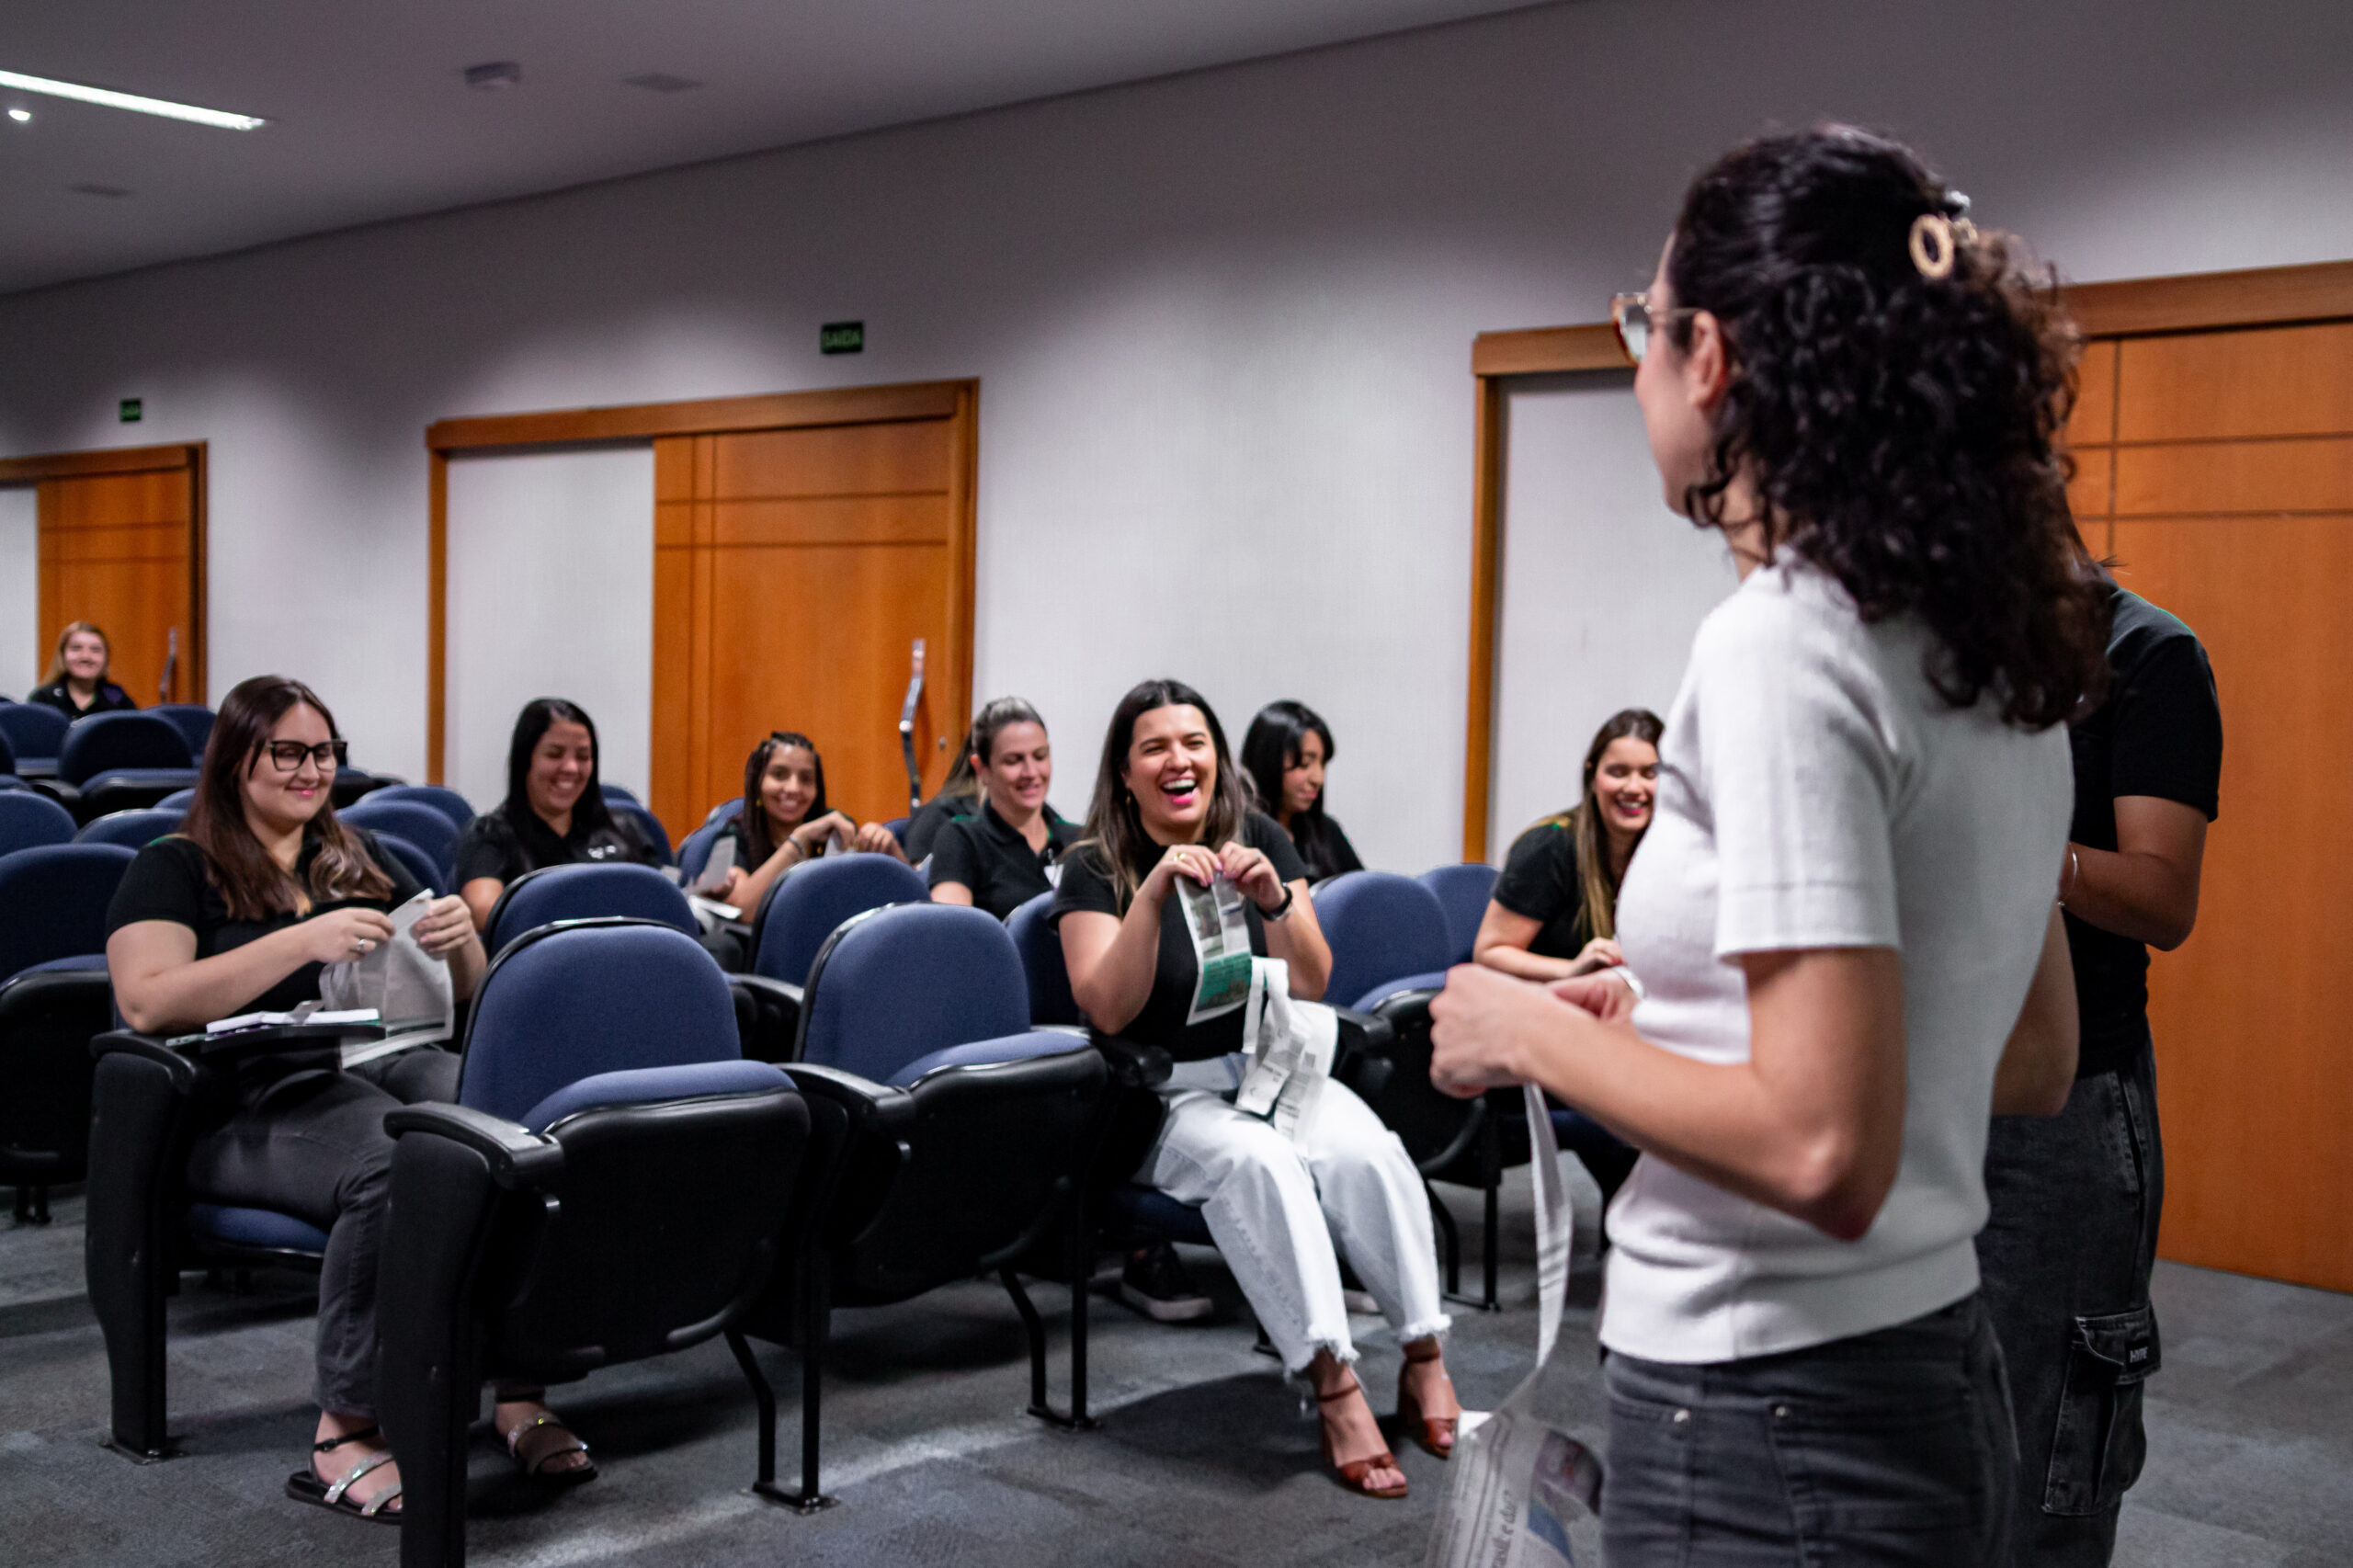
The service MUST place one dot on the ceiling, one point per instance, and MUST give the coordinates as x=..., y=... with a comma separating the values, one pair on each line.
x=369, y=116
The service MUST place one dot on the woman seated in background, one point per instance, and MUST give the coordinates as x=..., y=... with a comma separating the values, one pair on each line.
x=77, y=685
x=785, y=821
x=959, y=797
x=1169, y=805
x=1011, y=850
x=237, y=913
x=554, y=813
x=1553, y=912
x=1286, y=752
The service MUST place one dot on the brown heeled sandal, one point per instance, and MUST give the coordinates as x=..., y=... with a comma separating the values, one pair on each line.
x=1352, y=1473
x=1426, y=1431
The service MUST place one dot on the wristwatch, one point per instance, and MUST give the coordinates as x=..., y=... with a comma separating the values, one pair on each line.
x=1283, y=910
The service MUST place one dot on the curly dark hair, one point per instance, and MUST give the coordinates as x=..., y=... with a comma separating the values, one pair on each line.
x=1900, y=428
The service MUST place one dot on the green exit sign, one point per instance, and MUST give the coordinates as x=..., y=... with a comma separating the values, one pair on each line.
x=842, y=338
x=129, y=411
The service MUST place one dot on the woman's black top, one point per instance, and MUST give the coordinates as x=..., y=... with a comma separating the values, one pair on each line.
x=170, y=879
x=924, y=827
x=110, y=699
x=1328, y=853
x=991, y=858
x=1086, y=885
x=1539, y=883
x=492, y=846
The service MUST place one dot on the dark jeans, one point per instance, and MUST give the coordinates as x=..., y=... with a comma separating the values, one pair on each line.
x=313, y=1145
x=2066, y=1260
x=1891, y=1448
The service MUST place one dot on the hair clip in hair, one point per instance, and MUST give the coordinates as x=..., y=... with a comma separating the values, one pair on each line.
x=1935, y=241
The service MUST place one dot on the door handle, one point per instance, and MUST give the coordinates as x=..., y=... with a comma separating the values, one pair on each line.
x=907, y=730
x=171, y=665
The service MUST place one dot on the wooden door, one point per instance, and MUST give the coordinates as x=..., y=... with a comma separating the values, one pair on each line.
x=122, y=545
x=2225, y=489
x=793, y=570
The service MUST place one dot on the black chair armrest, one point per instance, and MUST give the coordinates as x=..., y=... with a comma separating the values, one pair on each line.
x=1135, y=1066
x=180, y=1069
x=873, y=1107
x=776, y=1009
x=516, y=1157
x=1367, y=1032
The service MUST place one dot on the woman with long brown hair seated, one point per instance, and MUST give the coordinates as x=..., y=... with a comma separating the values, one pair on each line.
x=786, y=822
x=554, y=813
x=1171, y=807
x=239, y=912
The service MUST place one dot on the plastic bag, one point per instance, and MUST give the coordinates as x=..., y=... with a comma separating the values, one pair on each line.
x=408, y=987
x=1523, y=1494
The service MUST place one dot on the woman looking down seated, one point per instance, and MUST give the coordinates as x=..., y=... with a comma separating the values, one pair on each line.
x=1170, y=807
x=239, y=912
x=1285, y=753
x=77, y=685
x=554, y=814
x=1011, y=851
x=785, y=821
x=1553, y=913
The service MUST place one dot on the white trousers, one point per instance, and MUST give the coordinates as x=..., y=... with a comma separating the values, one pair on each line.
x=1276, y=1209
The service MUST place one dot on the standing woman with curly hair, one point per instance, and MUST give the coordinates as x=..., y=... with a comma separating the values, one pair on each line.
x=1843, y=914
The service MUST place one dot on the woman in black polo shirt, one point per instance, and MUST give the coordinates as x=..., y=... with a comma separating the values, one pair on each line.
x=239, y=912
x=1553, y=910
x=785, y=821
x=1170, y=805
x=77, y=685
x=554, y=814
x=1285, y=752
x=1010, y=852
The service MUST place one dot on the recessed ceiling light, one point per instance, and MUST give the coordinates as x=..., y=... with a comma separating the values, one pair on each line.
x=132, y=101
x=661, y=82
x=21, y=115
x=493, y=75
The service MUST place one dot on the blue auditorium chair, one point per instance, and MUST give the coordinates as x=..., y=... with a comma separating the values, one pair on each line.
x=34, y=731
x=8, y=779
x=54, y=996
x=419, y=822
x=617, y=796
x=131, y=829
x=112, y=762
x=1040, y=946
x=802, y=910
x=957, y=1138
x=413, y=861
x=614, y=1183
x=1462, y=891
x=693, y=851
x=647, y=824
x=587, y=890
x=177, y=801
x=27, y=820
x=448, y=801
x=1390, y=947
x=194, y=722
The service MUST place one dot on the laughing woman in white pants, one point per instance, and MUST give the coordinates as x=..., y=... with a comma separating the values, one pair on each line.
x=1169, y=804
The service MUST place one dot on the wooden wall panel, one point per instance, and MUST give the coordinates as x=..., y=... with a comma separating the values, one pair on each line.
x=2282, y=380
x=2255, y=1081
x=911, y=456
x=2093, y=419
x=842, y=520
x=121, y=549
x=2304, y=474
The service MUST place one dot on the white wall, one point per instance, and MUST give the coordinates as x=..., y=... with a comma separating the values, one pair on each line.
x=21, y=653
x=551, y=594
x=1603, y=588
x=1222, y=323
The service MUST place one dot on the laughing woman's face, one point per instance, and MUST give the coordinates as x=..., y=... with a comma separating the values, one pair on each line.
x=1172, y=769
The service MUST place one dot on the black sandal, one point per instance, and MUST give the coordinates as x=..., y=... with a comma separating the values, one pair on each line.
x=304, y=1486
x=537, y=1469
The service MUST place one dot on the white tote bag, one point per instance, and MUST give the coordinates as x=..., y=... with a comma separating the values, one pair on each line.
x=1523, y=1494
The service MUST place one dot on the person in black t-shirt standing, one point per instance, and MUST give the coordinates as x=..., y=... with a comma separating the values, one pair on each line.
x=1168, y=808
x=1285, y=753
x=2067, y=1250
x=554, y=813
x=1010, y=852
x=77, y=685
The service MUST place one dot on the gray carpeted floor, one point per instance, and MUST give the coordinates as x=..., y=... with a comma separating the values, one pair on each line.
x=1204, y=1455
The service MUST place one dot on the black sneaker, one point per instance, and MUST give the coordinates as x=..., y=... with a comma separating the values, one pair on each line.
x=1156, y=1284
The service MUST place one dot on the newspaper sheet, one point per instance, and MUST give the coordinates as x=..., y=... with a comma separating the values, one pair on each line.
x=1220, y=933
x=1288, y=1048
x=407, y=986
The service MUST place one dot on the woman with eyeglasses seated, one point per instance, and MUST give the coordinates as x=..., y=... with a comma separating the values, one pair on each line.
x=1285, y=753
x=239, y=912
x=1170, y=810
x=786, y=822
x=77, y=685
x=554, y=813
x=1012, y=850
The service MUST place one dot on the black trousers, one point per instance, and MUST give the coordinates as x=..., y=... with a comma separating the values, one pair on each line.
x=2066, y=1260
x=311, y=1144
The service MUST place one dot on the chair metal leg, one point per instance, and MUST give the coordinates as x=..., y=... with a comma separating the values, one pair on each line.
x=1451, y=1235
x=1077, y=1419
x=32, y=1204
x=816, y=1316
x=1487, y=1262
x=763, y=1484
x=1080, y=1258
